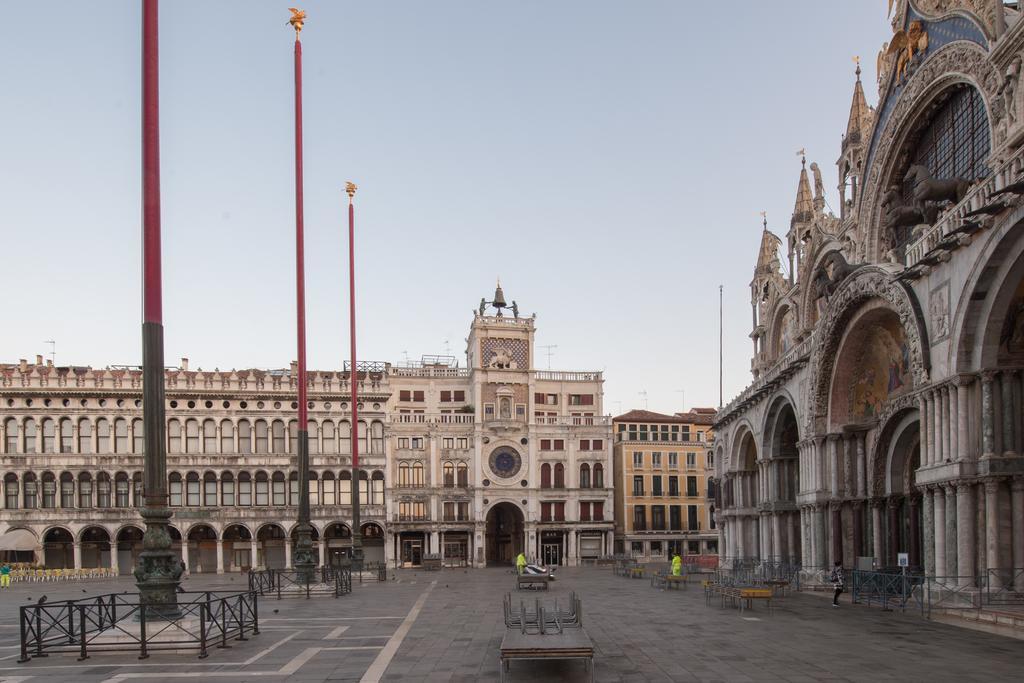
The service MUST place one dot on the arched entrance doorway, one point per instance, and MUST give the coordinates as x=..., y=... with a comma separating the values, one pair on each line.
x=95, y=547
x=897, y=518
x=58, y=549
x=270, y=542
x=202, y=549
x=238, y=547
x=504, y=539
x=338, y=539
x=129, y=545
x=373, y=542
x=783, y=527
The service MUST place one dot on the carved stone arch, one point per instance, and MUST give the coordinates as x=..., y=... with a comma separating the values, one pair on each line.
x=864, y=285
x=770, y=424
x=744, y=438
x=808, y=295
x=959, y=62
x=987, y=297
x=891, y=423
x=988, y=14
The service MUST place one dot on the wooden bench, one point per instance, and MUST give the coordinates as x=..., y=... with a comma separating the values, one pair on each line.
x=748, y=595
x=572, y=643
x=533, y=581
x=636, y=572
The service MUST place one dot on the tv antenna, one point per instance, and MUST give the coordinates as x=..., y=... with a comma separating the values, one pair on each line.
x=53, y=350
x=643, y=394
x=547, y=348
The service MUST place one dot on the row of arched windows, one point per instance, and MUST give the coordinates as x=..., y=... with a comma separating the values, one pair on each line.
x=452, y=474
x=65, y=490
x=122, y=435
x=590, y=477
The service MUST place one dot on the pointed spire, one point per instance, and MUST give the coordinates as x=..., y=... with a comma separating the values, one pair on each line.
x=803, y=210
x=768, y=255
x=860, y=113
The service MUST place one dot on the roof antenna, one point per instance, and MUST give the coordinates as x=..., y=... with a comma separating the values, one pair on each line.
x=53, y=351
x=644, y=395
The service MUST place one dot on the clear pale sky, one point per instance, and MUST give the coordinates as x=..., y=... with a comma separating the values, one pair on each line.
x=607, y=160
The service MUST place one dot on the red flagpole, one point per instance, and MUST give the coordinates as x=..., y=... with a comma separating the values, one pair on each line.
x=357, y=534
x=303, y=559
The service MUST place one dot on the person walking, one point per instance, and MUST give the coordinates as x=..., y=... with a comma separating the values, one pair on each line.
x=521, y=563
x=677, y=565
x=838, y=582
x=5, y=576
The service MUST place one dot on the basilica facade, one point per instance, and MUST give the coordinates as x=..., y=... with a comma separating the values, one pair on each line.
x=884, y=421
x=472, y=464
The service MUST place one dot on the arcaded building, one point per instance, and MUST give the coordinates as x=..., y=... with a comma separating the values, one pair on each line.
x=471, y=463
x=885, y=415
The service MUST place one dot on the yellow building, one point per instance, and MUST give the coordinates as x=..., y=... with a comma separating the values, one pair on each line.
x=664, y=501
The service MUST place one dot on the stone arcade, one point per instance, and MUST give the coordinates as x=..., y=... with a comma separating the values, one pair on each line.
x=885, y=414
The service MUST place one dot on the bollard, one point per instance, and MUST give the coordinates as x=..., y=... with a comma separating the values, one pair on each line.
x=202, y=629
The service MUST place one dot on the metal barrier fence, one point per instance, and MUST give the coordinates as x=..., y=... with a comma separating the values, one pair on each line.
x=289, y=583
x=1004, y=586
x=119, y=622
x=890, y=590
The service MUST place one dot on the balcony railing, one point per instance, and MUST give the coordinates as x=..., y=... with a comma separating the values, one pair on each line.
x=650, y=437
x=978, y=196
x=573, y=420
x=433, y=418
x=556, y=376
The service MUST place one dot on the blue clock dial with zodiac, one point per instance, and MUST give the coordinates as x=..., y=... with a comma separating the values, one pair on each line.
x=505, y=462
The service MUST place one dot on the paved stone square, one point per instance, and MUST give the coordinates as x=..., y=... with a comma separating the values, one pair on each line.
x=447, y=626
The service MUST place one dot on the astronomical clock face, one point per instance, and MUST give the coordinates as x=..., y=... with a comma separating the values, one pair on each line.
x=505, y=462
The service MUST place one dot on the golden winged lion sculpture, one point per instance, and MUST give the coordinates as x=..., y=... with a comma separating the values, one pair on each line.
x=297, y=19
x=904, y=45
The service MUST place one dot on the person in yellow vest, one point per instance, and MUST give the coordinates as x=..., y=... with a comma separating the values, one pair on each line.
x=677, y=565
x=521, y=563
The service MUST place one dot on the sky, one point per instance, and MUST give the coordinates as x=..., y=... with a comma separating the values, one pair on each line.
x=607, y=160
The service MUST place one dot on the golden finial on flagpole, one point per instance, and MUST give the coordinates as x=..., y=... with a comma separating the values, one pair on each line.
x=297, y=20
x=764, y=219
x=351, y=188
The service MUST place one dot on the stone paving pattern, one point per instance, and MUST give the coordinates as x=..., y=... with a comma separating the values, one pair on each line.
x=640, y=634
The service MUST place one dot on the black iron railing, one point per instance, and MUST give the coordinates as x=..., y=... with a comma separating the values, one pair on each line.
x=290, y=583
x=119, y=622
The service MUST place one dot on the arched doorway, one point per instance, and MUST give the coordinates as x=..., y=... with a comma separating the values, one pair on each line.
x=95, y=542
x=237, y=547
x=270, y=547
x=373, y=542
x=504, y=533
x=744, y=494
x=129, y=545
x=897, y=517
x=202, y=549
x=781, y=437
x=338, y=539
x=58, y=548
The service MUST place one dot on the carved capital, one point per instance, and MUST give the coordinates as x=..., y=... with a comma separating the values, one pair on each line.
x=1017, y=485
x=991, y=486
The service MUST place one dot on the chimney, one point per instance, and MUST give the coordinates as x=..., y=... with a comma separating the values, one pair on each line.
x=39, y=359
x=49, y=362
x=184, y=363
x=23, y=365
x=295, y=368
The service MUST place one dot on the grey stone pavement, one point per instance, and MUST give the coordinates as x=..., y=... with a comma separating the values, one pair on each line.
x=447, y=626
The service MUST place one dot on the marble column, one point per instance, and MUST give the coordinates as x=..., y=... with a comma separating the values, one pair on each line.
x=741, y=537
x=914, y=535
x=792, y=521
x=833, y=459
x=945, y=426
x=1017, y=516
x=288, y=553
x=857, y=512
x=778, y=551
x=220, y=556
x=965, y=525
x=862, y=466
x=988, y=425
x=893, y=510
x=923, y=412
x=962, y=417
x=928, y=522
x=951, y=523
x=953, y=428
x=114, y=560
x=837, y=532
x=877, y=533
x=938, y=421
x=322, y=547
x=77, y=549
x=1006, y=381
x=939, y=521
x=992, y=531
x=184, y=555
x=820, y=559
x=253, y=554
